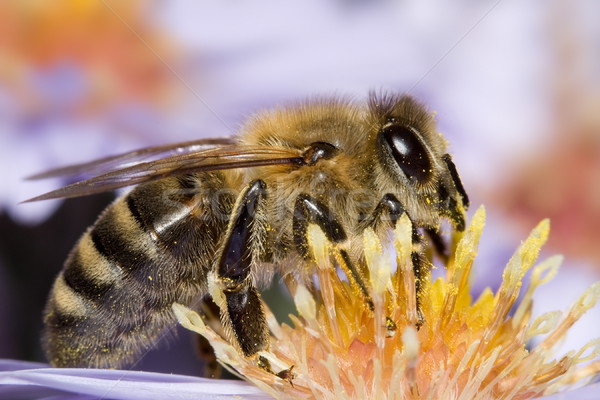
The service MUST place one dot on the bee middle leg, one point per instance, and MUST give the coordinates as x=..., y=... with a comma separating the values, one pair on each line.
x=309, y=210
x=204, y=350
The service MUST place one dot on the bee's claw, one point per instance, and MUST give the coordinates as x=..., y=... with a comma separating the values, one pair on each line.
x=285, y=374
x=420, y=319
x=391, y=327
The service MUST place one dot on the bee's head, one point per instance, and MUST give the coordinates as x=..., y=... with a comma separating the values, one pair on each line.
x=358, y=155
x=414, y=155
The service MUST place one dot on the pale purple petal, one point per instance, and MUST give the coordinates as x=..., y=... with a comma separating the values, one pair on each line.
x=25, y=380
x=590, y=392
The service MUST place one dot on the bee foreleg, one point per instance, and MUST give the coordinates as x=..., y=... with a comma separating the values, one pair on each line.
x=451, y=206
x=230, y=285
x=355, y=276
x=440, y=246
x=457, y=182
x=390, y=209
x=420, y=276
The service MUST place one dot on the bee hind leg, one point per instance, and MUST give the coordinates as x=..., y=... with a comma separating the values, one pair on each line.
x=230, y=284
x=205, y=351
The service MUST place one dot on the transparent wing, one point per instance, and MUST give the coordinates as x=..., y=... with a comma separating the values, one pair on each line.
x=220, y=158
x=120, y=161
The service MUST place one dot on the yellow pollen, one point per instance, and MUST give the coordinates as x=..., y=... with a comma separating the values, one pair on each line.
x=465, y=348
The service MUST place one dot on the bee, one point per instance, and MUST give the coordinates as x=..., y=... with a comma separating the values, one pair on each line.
x=218, y=218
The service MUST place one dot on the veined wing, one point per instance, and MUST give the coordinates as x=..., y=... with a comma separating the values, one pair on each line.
x=220, y=158
x=121, y=161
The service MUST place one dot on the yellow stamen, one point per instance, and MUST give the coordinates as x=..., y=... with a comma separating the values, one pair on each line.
x=340, y=348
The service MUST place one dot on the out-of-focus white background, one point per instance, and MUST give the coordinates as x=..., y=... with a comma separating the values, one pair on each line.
x=515, y=86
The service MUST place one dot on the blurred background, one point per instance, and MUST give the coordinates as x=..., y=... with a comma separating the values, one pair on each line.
x=515, y=86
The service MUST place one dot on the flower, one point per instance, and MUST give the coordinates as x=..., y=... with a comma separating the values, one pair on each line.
x=339, y=349
x=27, y=380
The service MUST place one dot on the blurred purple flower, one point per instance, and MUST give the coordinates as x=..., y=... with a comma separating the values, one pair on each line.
x=590, y=392
x=233, y=68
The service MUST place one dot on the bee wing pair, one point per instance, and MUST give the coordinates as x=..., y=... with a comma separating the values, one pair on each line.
x=159, y=162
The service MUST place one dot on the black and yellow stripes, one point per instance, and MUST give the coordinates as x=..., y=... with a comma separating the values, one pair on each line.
x=119, y=249
x=151, y=248
x=80, y=281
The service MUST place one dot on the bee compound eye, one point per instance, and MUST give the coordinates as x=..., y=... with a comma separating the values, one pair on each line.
x=408, y=151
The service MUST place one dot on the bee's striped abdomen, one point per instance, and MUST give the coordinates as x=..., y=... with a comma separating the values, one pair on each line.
x=149, y=249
